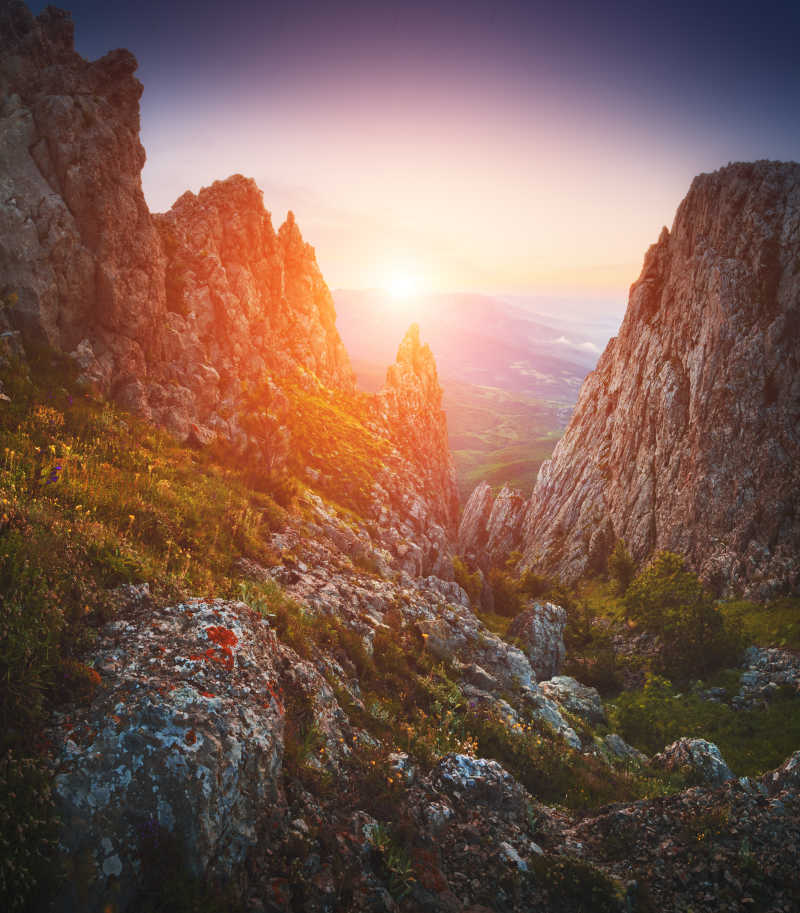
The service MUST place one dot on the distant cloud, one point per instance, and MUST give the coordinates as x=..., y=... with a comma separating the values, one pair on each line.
x=586, y=346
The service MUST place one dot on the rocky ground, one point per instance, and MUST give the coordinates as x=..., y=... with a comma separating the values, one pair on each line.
x=305, y=795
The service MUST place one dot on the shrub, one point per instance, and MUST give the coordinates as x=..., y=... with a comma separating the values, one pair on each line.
x=507, y=597
x=751, y=741
x=591, y=657
x=27, y=831
x=670, y=601
x=621, y=568
x=471, y=583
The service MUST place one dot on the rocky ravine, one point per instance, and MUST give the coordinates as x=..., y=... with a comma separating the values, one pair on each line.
x=217, y=741
x=687, y=435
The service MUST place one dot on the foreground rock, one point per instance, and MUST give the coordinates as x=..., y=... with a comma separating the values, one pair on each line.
x=540, y=630
x=672, y=424
x=181, y=747
x=701, y=759
x=728, y=849
x=582, y=700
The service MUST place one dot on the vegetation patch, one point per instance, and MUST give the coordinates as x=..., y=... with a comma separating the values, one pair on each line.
x=751, y=741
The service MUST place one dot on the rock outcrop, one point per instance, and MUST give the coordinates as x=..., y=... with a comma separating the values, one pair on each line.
x=491, y=527
x=169, y=314
x=183, y=742
x=198, y=319
x=702, y=759
x=686, y=437
x=411, y=404
x=540, y=630
x=79, y=252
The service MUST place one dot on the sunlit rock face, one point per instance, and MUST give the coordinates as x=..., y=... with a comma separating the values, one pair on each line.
x=169, y=314
x=243, y=297
x=686, y=435
x=410, y=407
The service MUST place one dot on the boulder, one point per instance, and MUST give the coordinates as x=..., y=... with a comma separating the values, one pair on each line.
x=182, y=746
x=702, y=759
x=540, y=630
x=581, y=700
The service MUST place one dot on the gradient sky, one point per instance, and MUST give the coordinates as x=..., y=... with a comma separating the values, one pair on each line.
x=524, y=147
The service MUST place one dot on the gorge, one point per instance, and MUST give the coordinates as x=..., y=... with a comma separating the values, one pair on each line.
x=257, y=658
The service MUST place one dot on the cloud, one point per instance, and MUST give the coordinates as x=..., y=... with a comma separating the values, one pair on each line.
x=585, y=346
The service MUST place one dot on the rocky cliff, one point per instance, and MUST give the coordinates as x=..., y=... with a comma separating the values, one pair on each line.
x=687, y=435
x=170, y=314
x=201, y=318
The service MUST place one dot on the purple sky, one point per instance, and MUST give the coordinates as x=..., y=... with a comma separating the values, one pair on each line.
x=534, y=148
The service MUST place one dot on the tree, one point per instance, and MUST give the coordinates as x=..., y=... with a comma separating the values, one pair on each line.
x=621, y=568
x=669, y=600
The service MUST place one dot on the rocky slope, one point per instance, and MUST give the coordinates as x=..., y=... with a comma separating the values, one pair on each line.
x=223, y=744
x=686, y=436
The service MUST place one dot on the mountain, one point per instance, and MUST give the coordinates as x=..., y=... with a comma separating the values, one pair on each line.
x=686, y=437
x=477, y=339
x=203, y=319
x=239, y=672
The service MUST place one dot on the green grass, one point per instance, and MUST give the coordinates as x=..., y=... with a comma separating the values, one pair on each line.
x=751, y=741
x=330, y=434
x=91, y=498
x=776, y=624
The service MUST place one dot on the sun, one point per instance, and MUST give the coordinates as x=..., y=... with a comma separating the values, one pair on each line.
x=402, y=282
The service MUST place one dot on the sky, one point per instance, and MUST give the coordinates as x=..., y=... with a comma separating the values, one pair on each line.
x=524, y=148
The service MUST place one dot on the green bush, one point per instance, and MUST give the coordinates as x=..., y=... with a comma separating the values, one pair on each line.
x=751, y=741
x=28, y=827
x=471, y=583
x=591, y=657
x=621, y=568
x=31, y=622
x=507, y=596
x=669, y=600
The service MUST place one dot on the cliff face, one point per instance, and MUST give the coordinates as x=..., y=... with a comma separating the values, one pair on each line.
x=78, y=248
x=242, y=300
x=491, y=526
x=202, y=318
x=147, y=304
x=686, y=436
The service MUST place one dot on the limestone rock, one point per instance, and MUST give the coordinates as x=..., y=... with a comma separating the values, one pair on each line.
x=582, y=700
x=77, y=246
x=184, y=736
x=620, y=750
x=786, y=777
x=475, y=519
x=540, y=629
x=491, y=527
x=702, y=758
x=692, y=411
x=411, y=404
